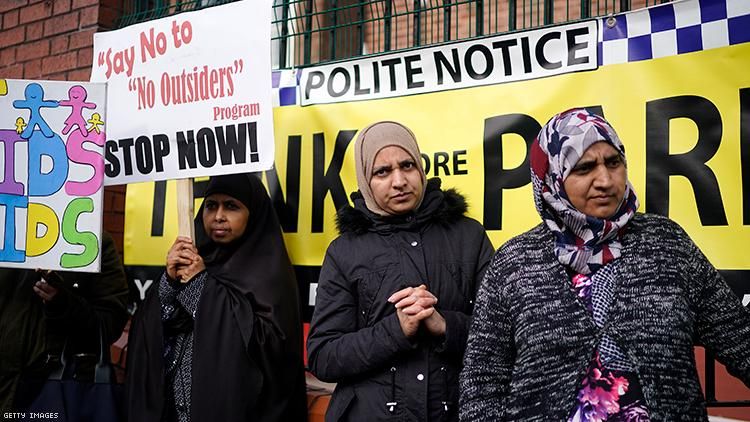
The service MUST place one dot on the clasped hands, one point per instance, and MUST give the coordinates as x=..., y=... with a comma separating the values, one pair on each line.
x=183, y=260
x=415, y=306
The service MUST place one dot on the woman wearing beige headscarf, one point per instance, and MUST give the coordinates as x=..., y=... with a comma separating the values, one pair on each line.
x=396, y=288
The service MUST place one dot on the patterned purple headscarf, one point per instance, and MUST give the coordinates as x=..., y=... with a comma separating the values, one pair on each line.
x=583, y=243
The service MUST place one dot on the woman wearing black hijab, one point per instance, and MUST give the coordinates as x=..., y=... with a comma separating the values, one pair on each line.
x=220, y=337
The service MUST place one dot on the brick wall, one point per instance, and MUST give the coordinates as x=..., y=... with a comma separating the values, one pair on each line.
x=53, y=40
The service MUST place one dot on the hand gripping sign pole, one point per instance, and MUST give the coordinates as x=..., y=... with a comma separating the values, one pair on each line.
x=185, y=213
x=185, y=208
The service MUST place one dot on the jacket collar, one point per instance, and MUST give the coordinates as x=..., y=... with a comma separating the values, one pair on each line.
x=439, y=207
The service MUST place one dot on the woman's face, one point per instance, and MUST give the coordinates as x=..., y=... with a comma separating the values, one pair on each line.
x=596, y=185
x=396, y=182
x=224, y=218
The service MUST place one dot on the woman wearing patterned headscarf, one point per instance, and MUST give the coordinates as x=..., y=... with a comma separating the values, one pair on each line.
x=593, y=314
x=396, y=289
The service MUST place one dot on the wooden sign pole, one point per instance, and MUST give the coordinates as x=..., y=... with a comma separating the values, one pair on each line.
x=185, y=208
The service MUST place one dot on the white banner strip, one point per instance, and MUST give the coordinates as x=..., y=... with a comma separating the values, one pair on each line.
x=487, y=61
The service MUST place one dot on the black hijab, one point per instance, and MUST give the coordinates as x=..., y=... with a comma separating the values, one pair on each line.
x=258, y=259
x=247, y=357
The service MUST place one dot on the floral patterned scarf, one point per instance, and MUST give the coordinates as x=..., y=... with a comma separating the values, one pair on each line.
x=583, y=243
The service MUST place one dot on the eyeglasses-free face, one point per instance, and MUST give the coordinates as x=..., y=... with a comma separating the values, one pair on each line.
x=396, y=182
x=224, y=218
x=596, y=185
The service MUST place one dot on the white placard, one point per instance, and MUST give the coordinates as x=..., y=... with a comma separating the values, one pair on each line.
x=189, y=94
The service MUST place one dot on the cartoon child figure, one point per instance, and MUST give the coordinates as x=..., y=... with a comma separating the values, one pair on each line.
x=20, y=124
x=34, y=102
x=95, y=121
x=77, y=101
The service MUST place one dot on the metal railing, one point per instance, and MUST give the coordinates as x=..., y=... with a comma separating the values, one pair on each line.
x=309, y=32
x=318, y=31
x=136, y=11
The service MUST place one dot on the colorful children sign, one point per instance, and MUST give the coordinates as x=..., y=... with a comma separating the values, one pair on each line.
x=190, y=95
x=52, y=136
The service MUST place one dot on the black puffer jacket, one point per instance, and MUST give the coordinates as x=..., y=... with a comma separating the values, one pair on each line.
x=355, y=337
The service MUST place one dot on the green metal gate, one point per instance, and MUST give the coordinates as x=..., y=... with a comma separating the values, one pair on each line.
x=309, y=32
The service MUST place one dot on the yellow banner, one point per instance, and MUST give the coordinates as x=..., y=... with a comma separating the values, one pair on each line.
x=680, y=119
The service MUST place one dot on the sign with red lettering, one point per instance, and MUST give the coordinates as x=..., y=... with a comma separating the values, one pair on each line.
x=189, y=95
x=51, y=137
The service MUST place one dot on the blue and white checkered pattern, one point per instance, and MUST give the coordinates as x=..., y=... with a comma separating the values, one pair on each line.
x=284, y=83
x=673, y=28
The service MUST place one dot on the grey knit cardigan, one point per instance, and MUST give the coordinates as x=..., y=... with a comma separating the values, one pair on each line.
x=531, y=338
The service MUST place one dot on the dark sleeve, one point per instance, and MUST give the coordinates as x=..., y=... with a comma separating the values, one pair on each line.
x=172, y=294
x=144, y=389
x=488, y=361
x=337, y=348
x=190, y=295
x=457, y=323
x=167, y=296
x=722, y=323
x=104, y=302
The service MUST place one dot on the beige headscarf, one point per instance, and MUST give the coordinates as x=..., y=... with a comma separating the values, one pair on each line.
x=369, y=142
